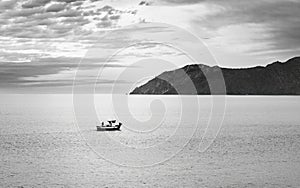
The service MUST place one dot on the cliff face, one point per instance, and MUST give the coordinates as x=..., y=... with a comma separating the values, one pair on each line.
x=274, y=79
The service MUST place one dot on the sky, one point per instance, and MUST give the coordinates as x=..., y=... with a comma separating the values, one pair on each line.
x=114, y=45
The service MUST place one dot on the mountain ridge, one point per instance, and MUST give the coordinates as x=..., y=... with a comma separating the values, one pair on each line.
x=277, y=78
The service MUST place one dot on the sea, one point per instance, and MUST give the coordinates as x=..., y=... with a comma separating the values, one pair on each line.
x=50, y=140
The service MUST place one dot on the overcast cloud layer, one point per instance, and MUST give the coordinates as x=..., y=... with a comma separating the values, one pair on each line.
x=42, y=41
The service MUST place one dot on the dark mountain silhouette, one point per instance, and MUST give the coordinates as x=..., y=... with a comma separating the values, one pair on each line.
x=274, y=79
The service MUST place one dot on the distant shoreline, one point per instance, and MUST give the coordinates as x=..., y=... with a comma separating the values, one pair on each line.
x=220, y=94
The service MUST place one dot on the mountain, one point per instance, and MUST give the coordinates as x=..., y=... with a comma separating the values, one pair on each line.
x=275, y=79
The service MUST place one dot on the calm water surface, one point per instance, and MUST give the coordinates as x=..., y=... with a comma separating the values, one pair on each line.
x=42, y=144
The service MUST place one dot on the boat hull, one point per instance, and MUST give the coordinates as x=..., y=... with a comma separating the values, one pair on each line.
x=99, y=128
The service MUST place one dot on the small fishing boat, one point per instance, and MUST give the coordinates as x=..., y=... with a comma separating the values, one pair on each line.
x=111, y=125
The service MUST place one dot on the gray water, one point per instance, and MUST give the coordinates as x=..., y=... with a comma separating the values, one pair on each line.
x=45, y=142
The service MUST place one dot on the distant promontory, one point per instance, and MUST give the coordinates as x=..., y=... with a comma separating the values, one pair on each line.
x=274, y=79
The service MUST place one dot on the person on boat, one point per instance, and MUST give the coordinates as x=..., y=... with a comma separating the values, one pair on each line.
x=120, y=124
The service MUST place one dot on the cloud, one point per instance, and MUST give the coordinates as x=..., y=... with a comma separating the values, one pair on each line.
x=56, y=7
x=115, y=17
x=270, y=22
x=69, y=13
x=144, y=3
x=35, y=35
x=70, y=1
x=35, y=3
x=106, y=8
x=53, y=72
x=31, y=22
x=182, y=2
x=38, y=19
x=75, y=20
x=6, y=5
x=266, y=25
x=24, y=12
